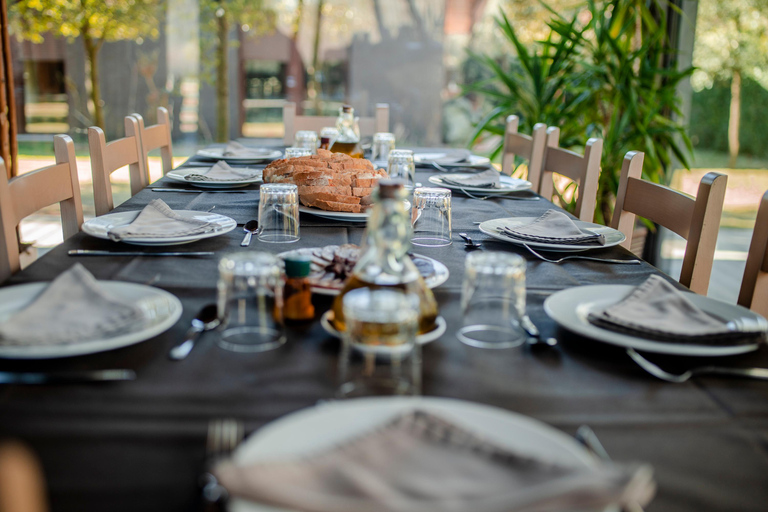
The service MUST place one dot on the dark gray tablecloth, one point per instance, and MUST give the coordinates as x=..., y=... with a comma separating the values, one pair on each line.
x=140, y=445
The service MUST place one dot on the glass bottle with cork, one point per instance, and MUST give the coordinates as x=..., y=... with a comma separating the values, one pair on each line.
x=348, y=140
x=297, y=294
x=385, y=262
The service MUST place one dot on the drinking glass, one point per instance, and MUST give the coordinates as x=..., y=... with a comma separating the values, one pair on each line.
x=380, y=355
x=383, y=143
x=493, y=300
x=250, y=302
x=306, y=139
x=431, y=217
x=331, y=132
x=401, y=166
x=278, y=213
x=295, y=152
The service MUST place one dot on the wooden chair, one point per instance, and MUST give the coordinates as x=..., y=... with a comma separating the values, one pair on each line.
x=107, y=158
x=695, y=219
x=294, y=123
x=154, y=137
x=582, y=169
x=23, y=195
x=754, y=284
x=529, y=147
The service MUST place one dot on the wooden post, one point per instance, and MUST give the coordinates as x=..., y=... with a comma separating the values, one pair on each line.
x=8, y=148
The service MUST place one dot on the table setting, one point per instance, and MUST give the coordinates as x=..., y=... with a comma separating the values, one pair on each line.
x=484, y=392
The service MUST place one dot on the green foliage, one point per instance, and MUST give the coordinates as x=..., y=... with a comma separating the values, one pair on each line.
x=605, y=76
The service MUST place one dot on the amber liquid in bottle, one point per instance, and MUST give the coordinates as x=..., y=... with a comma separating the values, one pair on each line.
x=348, y=141
x=350, y=148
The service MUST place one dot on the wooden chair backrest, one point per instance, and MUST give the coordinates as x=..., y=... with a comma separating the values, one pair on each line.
x=157, y=136
x=754, y=284
x=531, y=148
x=695, y=219
x=107, y=158
x=368, y=125
x=26, y=194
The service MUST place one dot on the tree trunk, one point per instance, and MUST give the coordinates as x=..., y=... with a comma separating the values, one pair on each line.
x=314, y=89
x=222, y=80
x=92, y=53
x=734, y=119
x=380, y=20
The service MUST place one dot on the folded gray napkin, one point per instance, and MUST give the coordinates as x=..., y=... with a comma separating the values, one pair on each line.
x=553, y=228
x=234, y=148
x=658, y=311
x=422, y=463
x=73, y=308
x=222, y=171
x=157, y=220
x=444, y=156
x=486, y=179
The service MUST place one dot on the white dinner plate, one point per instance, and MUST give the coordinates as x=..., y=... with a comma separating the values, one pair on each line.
x=508, y=184
x=326, y=425
x=259, y=155
x=181, y=175
x=438, y=277
x=612, y=236
x=570, y=308
x=160, y=309
x=100, y=226
x=351, y=217
x=440, y=326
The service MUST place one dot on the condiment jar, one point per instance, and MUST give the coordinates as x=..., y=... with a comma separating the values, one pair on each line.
x=297, y=294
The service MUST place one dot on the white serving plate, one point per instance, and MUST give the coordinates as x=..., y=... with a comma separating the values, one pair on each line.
x=99, y=227
x=508, y=184
x=259, y=155
x=181, y=175
x=421, y=339
x=612, y=236
x=570, y=308
x=348, y=216
x=161, y=311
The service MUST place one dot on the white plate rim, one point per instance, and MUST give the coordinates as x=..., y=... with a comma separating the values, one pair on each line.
x=181, y=173
x=325, y=214
x=216, y=154
x=27, y=292
x=440, y=327
x=329, y=423
x=570, y=307
x=98, y=226
x=508, y=184
x=613, y=237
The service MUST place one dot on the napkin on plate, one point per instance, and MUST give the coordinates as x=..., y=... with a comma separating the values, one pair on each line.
x=553, y=228
x=222, y=171
x=657, y=310
x=236, y=149
x=422, y=463
x=486, y=179
x=157, y=220
x=73, y=308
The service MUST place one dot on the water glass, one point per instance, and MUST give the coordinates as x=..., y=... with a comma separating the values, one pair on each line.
x=431, y=217
x=493, y=300
x=380, y=355
x=331, y=132
x=250, y=302
x=278, y=213
x=383, y=143
x=306, y=139
x=401, y=166
x=295, y=152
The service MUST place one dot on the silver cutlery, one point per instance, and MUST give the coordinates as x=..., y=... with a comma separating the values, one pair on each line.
x=206, y=319
x=534, y=336
x=224, y=435
x=468, y=242
x=197, y=191
x=251, y=228
x=578, y=257
x=66, y=377
x=90, y=252
x=749, y=373
x=503, y=195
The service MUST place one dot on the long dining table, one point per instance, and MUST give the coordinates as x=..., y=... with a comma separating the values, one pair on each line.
x=140, y=445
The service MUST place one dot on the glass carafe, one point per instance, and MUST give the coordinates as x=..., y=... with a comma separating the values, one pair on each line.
x=385, y=262
x=348, y=140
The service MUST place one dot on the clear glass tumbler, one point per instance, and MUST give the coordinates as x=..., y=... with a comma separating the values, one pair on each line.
x=331, y=132
x=278, y=213
x=493, y=300
x=380, y=355
x=295, y=152
x=401, y=166
x=431, y=217
x=383, y=143
x=306, y=139
x=250, y=302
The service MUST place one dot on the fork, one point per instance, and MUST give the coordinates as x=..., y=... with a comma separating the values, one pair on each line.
x=577, y=257
x=504, y=195
x=750, y=373
x=224, y=435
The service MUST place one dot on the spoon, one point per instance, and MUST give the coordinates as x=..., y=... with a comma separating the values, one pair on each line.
x=250, y=228
x=468, y=242
x=205, y=320
x=534, y=336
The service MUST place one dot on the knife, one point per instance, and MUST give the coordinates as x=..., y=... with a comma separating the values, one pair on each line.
x=197, y=191
x=66, y=377
x=88, y=252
